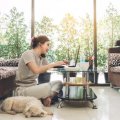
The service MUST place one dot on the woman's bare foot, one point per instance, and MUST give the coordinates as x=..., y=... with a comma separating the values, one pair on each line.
x=47, y=102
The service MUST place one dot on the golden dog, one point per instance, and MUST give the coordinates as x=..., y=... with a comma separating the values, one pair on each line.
x=29, y=106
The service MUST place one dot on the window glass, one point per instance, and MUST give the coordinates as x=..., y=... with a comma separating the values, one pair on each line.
x=15, y=24
x=108, y=31
x=68, y=24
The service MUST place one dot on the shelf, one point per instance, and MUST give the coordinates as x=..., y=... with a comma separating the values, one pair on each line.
x=75, y=84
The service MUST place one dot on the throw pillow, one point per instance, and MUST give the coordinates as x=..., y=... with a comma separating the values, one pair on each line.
x=115, y=63
x=114, y=59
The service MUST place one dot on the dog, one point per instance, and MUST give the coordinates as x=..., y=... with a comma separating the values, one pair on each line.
x=29, y=106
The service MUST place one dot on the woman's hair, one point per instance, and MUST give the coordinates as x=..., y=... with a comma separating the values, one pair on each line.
x=38, y=40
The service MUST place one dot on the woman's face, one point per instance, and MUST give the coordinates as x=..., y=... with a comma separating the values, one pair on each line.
x=45, y=47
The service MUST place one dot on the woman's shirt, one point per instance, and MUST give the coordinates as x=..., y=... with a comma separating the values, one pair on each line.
x=24, y=76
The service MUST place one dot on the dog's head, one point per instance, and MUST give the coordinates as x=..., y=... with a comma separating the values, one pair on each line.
x=34, y=111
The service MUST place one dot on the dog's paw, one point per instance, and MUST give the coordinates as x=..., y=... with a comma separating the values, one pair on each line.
x=11, y=112
x=50, y=113
x=43, y=114
x=27, y=114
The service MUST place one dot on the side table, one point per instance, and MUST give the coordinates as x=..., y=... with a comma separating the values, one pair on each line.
x=83, y=91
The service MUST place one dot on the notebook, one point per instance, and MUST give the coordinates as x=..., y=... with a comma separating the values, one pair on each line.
x=76, y=58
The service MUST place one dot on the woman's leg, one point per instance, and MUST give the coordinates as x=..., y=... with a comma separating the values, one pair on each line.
x=43, y=91
x=56, y=86
x=38, y=91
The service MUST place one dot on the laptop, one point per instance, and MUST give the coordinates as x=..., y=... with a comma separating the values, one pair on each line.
x=76, y=58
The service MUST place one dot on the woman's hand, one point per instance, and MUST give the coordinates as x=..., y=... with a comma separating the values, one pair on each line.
x=41, y=69
x=58, y=63
x=65, y=61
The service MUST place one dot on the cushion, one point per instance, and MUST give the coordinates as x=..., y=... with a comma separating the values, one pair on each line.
x=9, y=62
x=6, y=72
x=115, y=63
x=115, y=69
x=2, y=62
x=114, y=59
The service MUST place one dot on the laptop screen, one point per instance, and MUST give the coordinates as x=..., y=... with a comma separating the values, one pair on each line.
x=76, y=58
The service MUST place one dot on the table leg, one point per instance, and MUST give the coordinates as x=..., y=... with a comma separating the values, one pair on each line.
x=67, y=87
x=93, y=104
x=60, y=103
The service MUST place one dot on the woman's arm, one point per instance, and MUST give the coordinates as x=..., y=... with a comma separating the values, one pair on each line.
x=41, y=69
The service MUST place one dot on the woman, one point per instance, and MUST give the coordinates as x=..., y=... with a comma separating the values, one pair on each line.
x=30, y=67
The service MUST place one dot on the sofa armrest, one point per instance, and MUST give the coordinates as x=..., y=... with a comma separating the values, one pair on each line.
x=115, y=69
x=7, y=81
x=6, y=72
x=9, y=62
x=114, y=50
x=114, y=59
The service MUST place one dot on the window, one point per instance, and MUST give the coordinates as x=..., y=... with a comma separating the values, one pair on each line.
x=108, y=22
x=15, y=22
x=67, y=23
